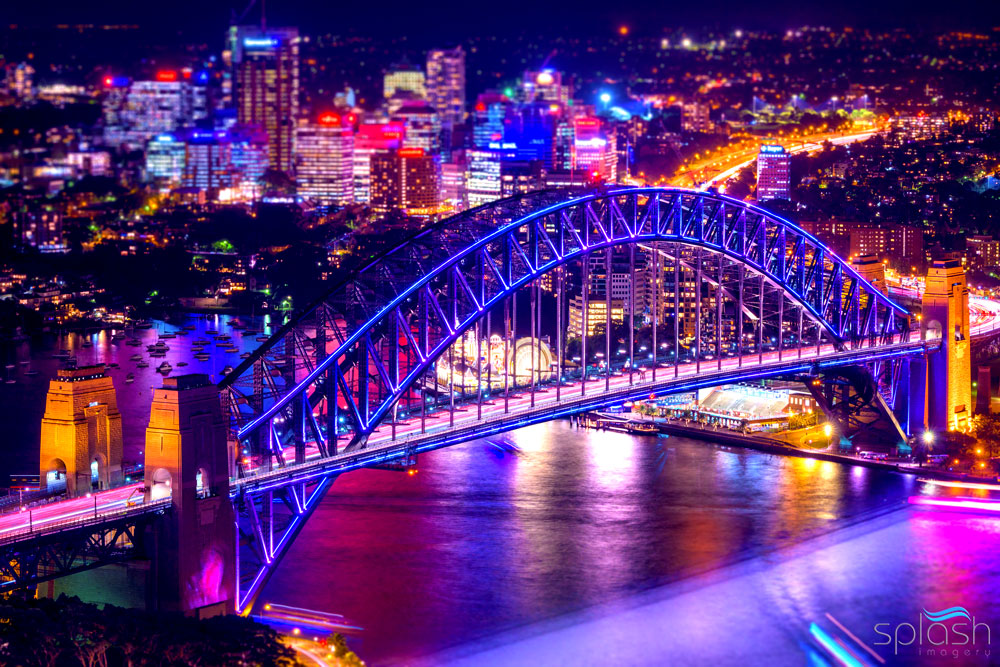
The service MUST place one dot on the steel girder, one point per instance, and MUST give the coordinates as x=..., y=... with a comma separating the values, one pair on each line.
x=266, y=523
x=36, y=557
x=366, y=346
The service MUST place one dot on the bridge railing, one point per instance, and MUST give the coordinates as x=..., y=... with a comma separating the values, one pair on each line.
x=100, y=517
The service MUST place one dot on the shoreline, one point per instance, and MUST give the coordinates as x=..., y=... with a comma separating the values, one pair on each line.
x=773, y=446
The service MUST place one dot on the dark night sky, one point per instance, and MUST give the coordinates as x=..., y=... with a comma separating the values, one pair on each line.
x=457, y=18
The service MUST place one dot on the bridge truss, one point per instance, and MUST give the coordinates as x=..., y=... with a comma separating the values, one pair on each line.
x=475, y=325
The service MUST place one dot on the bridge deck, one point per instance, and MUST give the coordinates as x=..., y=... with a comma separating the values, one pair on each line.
x=439, y=431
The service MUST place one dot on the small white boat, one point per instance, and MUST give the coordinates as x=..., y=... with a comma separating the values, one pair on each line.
x=130, y=378
x=182, y=363
x=135, y=357
x=165, y=367
x=142, y=364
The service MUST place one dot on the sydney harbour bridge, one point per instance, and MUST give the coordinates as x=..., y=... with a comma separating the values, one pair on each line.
x=527, y=309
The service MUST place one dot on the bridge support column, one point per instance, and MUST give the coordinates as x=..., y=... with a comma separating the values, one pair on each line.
x=81, y=443
x=187, y=459
x=949, y=372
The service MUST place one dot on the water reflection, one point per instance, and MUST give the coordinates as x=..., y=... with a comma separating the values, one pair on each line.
x=480, y=541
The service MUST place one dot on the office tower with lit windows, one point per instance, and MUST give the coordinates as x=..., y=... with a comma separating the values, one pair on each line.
x=208, y=161
x=773, y=173
x=266, y=90
x=165, y=160
x=423, y=126
x=20, y=81
x=324, y=150
x=446, y=84
x=545, y=85
x=483, y=181
x=594, y=151
x=407, y=180
x=488, y=116
x=137, y=111
x=250, y=158
x=453, y=182
x=404, y=79
x=370, y=139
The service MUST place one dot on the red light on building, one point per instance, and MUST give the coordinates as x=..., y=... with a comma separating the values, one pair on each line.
x=410, y=152
x=107, y=81
x=166, y=75
x=587, y=122
x=329, y=119
x=186, y=72
x=480, y=107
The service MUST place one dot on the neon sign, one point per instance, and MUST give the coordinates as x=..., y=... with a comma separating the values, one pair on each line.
x=260, y=42
x=410, y=152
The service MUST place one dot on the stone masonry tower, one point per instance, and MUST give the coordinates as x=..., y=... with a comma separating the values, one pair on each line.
x=871, y=269
x=187, y=460
x=81, y=432
x=949, y=372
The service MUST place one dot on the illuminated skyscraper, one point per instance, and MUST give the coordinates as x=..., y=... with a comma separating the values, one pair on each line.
x=369, y=140
x=423, y=126
x=483, y=183
x=446, y=84
x=404, y=78
x=545, y=85
x=407, y=180
x=773, y=177
x=208, y=162
x=325, y=159
x=137, y=111
x=250, y=156
x=165, y=160
x=266, y=64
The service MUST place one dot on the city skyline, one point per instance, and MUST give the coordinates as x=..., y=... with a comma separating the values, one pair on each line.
x=450, y=335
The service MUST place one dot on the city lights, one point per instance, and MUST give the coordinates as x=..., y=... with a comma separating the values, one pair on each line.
x=659, y=285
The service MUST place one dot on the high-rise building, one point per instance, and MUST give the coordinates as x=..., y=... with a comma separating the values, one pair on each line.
x=404, y=78
x=137, y=111
x=266, y=64
x=453, y=182
x=594, y=150
x=208, y=164
x=324, y=169
x=20, y=81
x=423, y=126
x=408, y=180
x=483, y=182
x=250, y=158
x=165, y=159
x=773, y=173
x=544, y=85
x=695, y=117
x=446, y=84
x=370, y=139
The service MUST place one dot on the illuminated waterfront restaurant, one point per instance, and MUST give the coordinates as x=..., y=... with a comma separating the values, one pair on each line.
x=738, y=407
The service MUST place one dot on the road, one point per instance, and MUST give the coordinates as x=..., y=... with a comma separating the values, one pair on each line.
x=60, y=513
x=718, y=169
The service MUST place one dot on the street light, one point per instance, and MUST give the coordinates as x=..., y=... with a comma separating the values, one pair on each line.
x=928, y=437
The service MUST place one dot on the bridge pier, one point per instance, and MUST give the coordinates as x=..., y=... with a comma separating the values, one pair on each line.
x=81, y=442
x=949, y=372
x=187, y=459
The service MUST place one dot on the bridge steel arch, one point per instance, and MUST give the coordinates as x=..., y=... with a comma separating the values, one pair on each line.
x=340, y=370
x=364, y=345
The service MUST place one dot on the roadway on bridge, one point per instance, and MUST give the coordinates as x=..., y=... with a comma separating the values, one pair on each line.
x=59, y=514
